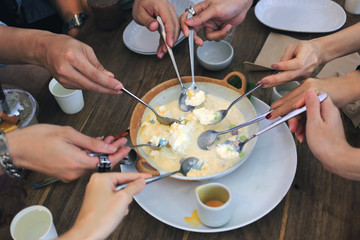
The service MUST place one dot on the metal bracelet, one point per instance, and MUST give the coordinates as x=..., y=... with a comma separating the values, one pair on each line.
x=6, y=162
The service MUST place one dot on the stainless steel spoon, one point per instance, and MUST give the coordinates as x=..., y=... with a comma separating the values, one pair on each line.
x=221, y=114
x=183, y=96
x=161, y=119
x=160, y=145
x=207, y=138
x=129, y=159
x=191, y=53
x=240, y=145
x=185, y=167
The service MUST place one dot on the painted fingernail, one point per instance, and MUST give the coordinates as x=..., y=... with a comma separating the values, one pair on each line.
x=268, y=116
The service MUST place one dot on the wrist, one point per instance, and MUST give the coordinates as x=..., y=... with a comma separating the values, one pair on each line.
x=6, y=161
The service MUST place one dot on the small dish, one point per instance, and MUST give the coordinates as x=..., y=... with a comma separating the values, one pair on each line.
x=214, y=55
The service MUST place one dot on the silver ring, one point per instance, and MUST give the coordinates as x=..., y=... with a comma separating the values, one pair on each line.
x=191, y=10
x=104, y=164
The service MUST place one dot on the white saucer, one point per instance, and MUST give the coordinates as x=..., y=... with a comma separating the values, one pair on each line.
x=301, y=15
x=257, y=186
x=141, y=40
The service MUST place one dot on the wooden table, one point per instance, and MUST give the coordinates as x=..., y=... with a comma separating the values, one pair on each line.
x=319, y=205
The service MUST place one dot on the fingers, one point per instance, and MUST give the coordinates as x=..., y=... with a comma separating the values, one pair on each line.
x=203, y=14
x=89, y=143
x=312, y=108
x=219, y=34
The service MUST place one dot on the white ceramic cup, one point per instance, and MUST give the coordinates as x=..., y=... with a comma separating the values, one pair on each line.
x=281, y=90
x=352, y=6
x=34, y=222
x=214, y=204
x=71, y=101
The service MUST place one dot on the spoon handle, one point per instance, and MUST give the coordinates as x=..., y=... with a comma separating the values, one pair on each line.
x=191, y=49
x=163, y=34
x=242, y=96
x=286, y=117
x=141, y=101
x=149, y=180
x=254, y=120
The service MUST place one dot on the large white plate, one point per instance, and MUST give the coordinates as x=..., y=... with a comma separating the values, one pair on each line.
x=141, y=40
x=301, y=15
x=257, y=186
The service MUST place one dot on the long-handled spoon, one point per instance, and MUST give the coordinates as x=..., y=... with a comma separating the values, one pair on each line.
x=191, y=53
x=183, y=96
x=185, y=167
x=221, y=114
x=207, y=138
x=292, y=114
x=161, y=119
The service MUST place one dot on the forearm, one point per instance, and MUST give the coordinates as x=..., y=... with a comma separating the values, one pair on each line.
x=349, y=88
x=339, y=44
x=19, y=46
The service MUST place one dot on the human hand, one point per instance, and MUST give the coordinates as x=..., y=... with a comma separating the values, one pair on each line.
x=298, y=62
x=74, y=65
x=340, y=89
x=326, y=138
x=218, y=17
x=103, y=207
x=61, y=152
x=145, y=12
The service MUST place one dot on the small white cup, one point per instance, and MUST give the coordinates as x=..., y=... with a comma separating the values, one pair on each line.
x=34, y=222
x=283, y=89
x=214, y=204
x=352, y=6
x=71, y=101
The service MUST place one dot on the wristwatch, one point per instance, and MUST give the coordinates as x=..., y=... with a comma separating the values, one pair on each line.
x=6, y=162
x=75, y=22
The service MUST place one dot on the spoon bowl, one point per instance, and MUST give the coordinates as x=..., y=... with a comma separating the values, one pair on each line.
x=161, y=119
x=240, y=145
x=207, y=138
x=185, y=167
x=182, y=105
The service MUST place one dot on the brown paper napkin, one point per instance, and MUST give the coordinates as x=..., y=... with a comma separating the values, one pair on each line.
x=274, y=48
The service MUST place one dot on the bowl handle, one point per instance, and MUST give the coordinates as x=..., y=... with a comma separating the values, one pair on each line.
x=236, y=77
x=144, y=166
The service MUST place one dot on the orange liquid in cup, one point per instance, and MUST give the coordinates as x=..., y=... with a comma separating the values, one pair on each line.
x=214, y=203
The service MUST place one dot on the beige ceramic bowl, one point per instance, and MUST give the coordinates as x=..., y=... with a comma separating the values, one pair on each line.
x=169, y=91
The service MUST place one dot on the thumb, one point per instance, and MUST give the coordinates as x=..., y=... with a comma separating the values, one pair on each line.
x=312, y=108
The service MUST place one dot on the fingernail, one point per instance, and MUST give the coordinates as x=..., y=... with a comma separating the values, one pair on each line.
x=117, y=87
x=263, y=81
x=161, y=54
x=171, y=42
x=268, y=116
x=228, y=28
x=274, y=66
x=152, y=25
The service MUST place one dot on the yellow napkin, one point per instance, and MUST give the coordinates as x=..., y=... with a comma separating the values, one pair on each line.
x=274, y=48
